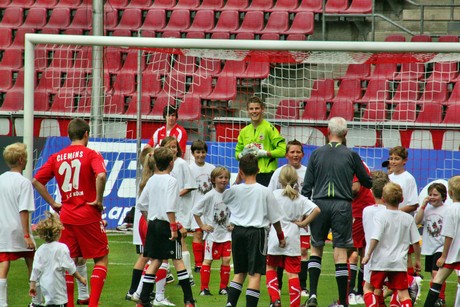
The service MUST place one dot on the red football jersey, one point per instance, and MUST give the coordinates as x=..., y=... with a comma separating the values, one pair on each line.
x=364, y=198
x=177, y=131
x=75, y=169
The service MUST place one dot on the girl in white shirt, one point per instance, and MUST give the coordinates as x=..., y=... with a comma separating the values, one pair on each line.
x=298, y=212
x=52, y=260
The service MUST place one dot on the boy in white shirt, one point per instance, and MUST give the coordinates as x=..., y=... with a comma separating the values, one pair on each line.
x=201, y=171
x=249, y=232
x=212, y=216
x=387, y=253
x=16, y=203
x=450, y=258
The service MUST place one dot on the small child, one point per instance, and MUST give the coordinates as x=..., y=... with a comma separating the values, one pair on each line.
x=159, y=202
x=294, y=156
x=298, y=211
x=187, y=184
x=387, y=253
x=431, y=214
x=201, y=171
x=450, y=257
x=212, y=215
x=253, y=208
x=16, y=204
x=52, y=260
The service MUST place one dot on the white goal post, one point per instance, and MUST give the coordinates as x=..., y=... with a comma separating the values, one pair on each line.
x=347, y=52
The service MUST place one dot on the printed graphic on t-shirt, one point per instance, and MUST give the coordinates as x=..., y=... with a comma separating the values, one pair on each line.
x=221, y=214
x=434, y=225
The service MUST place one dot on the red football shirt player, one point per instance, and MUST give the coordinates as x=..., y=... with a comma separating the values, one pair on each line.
x=171, y=128
x=81, y=176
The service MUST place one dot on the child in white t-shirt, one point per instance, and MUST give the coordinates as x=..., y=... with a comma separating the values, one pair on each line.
x=298, y=212
x=201, y=171
x=450, y=257
x=212, y=216
x=386, y=256
x=431, y=214
x=52, y=260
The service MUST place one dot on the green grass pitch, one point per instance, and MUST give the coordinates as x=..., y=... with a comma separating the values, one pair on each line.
x=123, y=256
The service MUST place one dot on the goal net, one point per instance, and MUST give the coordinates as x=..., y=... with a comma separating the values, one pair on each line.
x=390, y=93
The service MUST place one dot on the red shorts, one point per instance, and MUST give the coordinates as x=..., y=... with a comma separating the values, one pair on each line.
x=357, y=233
x=396, y=280
x=11, y=256
x=217, y=250
x=452, y=266
x=87, y=241
x=290, y=263
x=305, y=242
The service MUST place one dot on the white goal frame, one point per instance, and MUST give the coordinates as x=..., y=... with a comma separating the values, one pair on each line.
x=31, y=40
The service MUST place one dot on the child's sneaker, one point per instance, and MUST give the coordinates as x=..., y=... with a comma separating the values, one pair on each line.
x=223, y=291
x=352, y=299
x=276, y=303
x=312, y=302
x=83, y=302
x=305, y=293
x=359, y=299
x=205, y=292
x=163, y=302
x=169, y=278
x=335, y=304
x=190, y=304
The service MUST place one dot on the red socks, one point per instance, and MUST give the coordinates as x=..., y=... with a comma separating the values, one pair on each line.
x=224, y=276
x=370, y=300
x=294, y=292
x=198, y=253
x=70, y=289
x=205, y=274
x=272, y=285
x=97, y=283
x=406, y=303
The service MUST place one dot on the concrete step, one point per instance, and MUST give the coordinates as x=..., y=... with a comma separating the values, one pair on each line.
x=431, y=14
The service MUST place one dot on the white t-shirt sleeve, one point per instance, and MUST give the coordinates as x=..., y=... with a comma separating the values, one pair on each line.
x=66, y=262
x=26, y=197
x=274, y=213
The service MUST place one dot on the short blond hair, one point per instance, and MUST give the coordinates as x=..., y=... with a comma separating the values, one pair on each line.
x=392, y=194
x=50, y=228
x=13, y=153
x=454, y=188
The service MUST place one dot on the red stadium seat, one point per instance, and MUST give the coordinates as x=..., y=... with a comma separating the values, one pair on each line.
x=187, y=4
x=158, y=62
x=63, y=103
x=59, y=19
x=234, y=68
x=116, y=4
x=121, y=32
x=284, y=5
x=185, y=64
x=131, y=61
x=125, y=83
x=454, y=97
x=315, y=6
x=140, y=4
x=220, y=35
x=112, y=59
x=395, y=38
x=343, y=108
x=72, y=4
x=287, y=109
x=405, y=111
x=359, y=7
x=322, y=89
x=253, y=22
x=278, y=22
x=203, y=21
x=75, y=82
x=163, y=4
x=151, y=83
x=444, y=71
x=260, y=5
x=83, y=58
x=235, y=5
x=377, y=90
x=406, y=91
x=145, y=105
x=82, y=18
x=315, y=109
x=110, y=19
x=12, y=58
x=22, y=3
x=160, y=102
x=211, y=4
x=195, y=34
x=201, y=86
x=190, y=108
x=50, y=81
x=296, y=37
x=244, y=35
x=430, y=112
x=448, y=39
x=155, y=20
x=19, y=37
x=6, y=37
x=171, y=34
x=410, y=71
x=375, y=111
x=209, y=67
x=178, y=21
x=270, y=36
x=62, y=58
x=131, y=20
x=6, y=82
x=36, y=18
x=435, y=91
x=83, y=103
x=5, y=3
x=336, y=6
x=421, y=38
x=384, y=71
x=115, y=104
x=225, y=89
x=357, y=71
x=228, y=21
x=257, y=70
x=12, y=17
x=452, y=113
x=174, y=84
x=49, y=4
x=303, y=23
x=14, y=101
x=349, y=90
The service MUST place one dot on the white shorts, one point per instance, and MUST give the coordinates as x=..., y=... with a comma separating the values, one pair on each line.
x=367, y=274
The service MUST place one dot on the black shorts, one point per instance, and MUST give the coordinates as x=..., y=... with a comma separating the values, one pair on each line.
x=430, y=262
x=264, y=178
x=335, y=215
x=139, y=249
x=249, y=250
x=157, y=243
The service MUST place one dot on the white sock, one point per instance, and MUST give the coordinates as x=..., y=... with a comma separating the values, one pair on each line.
x=160, y=284
x=83, y=293
x=186, y=259
x=3, y=293
x=457, y=299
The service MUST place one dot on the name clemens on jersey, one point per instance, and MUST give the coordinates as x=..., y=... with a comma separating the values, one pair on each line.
x=69, y=156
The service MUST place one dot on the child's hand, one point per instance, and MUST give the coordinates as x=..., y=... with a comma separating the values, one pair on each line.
x=282, y=243
x=32, y=289
x=230, y=227
x=29, y=243
x=365, y=260
x=207, y=228
x=441, y=261
x=298, y=224
x=425, y=201
x=82, y=280
x=173, y=236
